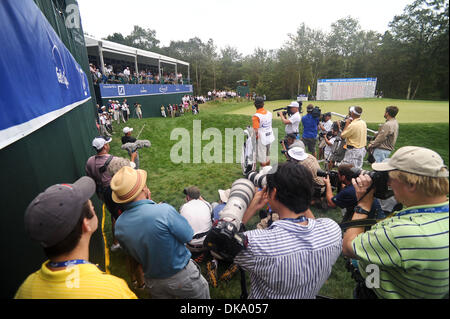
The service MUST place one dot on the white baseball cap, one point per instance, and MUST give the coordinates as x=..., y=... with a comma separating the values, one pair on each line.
x=224, y=194
x=127, y=130
x=298, y=153
x=100, y=141
x=416, y=160
x=293, y=104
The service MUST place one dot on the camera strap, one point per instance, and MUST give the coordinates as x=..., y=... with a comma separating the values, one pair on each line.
x=357, y=223
x=103, y=168
x=369, y=222
x=200, y=235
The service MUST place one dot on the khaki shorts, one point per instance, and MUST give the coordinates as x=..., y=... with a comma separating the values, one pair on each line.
x=188, y=283
x=263, y=152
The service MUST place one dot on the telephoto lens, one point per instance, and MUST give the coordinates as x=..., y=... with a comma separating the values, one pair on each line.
x=241, y=194
x=259, y=179
x=224, y=241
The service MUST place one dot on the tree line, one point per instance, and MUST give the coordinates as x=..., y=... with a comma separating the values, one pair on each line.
x=410, y=60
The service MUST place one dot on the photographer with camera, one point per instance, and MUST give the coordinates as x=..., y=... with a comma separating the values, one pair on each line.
x=384, y=142
x=293, y=257
x=346, y=198
x=355, y=134
x=299, y=156
x=289, y=142
x=310, y=123
x=262, y=125
x=329, y=139
x=409, y=249
x=197, y=212
x=325, y=127
x=291, y=123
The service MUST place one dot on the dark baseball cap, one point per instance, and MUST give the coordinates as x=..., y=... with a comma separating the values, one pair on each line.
x=259, y=101
x=54, y=213
x=292, y=135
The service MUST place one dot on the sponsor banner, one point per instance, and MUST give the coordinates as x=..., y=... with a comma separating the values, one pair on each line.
x=128, y=90
x=40, y=80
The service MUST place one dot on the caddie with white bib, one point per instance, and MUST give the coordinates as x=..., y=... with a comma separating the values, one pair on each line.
x=262, y=125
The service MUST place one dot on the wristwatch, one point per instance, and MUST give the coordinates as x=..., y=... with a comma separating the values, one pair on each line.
x=360, y=210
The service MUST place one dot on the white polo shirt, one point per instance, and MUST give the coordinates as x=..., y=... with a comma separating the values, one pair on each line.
x=295, y=121
x=198, y=215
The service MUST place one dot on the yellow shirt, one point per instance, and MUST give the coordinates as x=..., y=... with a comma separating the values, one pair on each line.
x=356, y=133
x=83, y=281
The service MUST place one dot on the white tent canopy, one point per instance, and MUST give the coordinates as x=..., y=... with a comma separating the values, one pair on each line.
x=108, y=46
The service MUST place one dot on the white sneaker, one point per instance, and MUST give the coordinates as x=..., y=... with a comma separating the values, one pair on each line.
x=115, y=247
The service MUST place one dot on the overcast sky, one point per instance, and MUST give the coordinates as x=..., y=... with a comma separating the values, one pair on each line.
x=243, y=24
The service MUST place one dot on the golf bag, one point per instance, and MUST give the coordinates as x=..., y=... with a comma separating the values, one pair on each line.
x=337, y=151
x=248, y=154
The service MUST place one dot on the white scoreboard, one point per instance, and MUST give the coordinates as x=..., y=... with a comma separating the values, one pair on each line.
x=344, y=89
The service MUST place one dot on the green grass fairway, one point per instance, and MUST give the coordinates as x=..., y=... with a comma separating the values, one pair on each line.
x=419, y=125
x=373, y=109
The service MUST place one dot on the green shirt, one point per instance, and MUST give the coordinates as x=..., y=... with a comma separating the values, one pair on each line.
x=411, y=252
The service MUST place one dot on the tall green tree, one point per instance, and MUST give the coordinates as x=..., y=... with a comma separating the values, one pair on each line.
x=309, y=45
x=144, y=39
x=410, y=59
x=140, y=38
x=422, y=36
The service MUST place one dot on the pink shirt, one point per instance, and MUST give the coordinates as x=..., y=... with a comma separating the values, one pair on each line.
x=93, y=165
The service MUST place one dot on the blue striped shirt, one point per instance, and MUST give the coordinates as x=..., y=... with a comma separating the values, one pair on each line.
x=289, y=260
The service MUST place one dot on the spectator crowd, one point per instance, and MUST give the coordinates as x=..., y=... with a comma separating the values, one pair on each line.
x=127, y=75
x=291, y=254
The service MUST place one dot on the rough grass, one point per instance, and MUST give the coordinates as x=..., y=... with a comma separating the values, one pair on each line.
x=167, y=180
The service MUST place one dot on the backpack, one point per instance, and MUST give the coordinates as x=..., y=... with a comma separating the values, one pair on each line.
x=99, y=188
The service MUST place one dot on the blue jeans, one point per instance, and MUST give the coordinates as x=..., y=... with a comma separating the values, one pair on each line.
x=380, y=154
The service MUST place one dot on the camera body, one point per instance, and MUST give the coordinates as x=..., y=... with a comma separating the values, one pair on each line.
x=316, y=112
x=225, y=241
x=334, y=177
x=327, y=134
x=286, y=111
x=379, y=182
